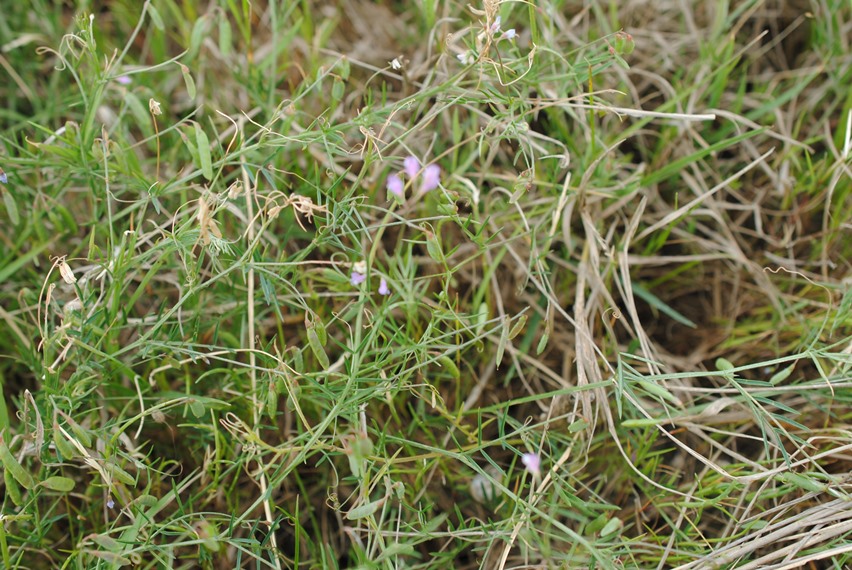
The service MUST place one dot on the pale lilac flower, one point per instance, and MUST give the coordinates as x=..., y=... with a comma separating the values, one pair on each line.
x=3, y=178
x=431, y=178
x=396, y=185
x=532, y=462
x=411, y=166
x=466, y=58
x=124, y=80
x=110, y=503
x=509, y=34
x=383, y=287
x=495, y=27
x=357, y=278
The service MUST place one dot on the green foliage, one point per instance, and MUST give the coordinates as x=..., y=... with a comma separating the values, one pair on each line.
x=612, y=332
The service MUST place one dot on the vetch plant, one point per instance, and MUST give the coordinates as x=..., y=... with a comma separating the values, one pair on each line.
x=358, y=276
x=430, y=178
x=359, y=273
x=389, y=429
x=411, y=166
x=467, y=57
x=532, y=463
x=396, y=186
x=495, y=29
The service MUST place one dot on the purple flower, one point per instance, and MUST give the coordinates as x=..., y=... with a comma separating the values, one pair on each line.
x=383, y=287
x=495, y=27
x=411, y=166
x=124, y=80
x=532, y=462
x=509, y=34
x=431, y=178
x=396, y=186
x=357, y=278
x=110, y=503
x=3, y=178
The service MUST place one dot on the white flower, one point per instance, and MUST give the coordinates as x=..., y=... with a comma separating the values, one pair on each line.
x=466, y=58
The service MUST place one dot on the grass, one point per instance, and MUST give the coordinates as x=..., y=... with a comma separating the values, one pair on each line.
x=228, y=344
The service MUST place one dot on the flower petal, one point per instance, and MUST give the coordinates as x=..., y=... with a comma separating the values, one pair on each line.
x=431, y=177
x=396, y=186
x=532, y=462
x=357, y=278
x=383, y=287
x=411, y=166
